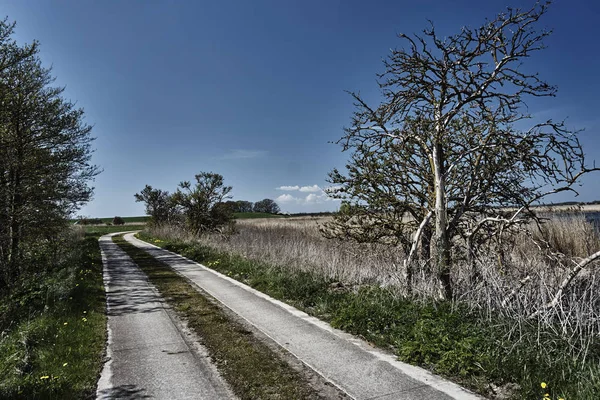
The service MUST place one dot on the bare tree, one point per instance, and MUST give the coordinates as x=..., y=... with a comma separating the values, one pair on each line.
x=442, y=147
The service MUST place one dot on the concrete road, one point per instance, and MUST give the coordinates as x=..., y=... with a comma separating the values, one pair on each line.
x=349, y=363
x=148, y=355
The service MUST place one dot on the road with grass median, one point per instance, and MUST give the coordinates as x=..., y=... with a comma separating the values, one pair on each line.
x=352, y=365
x=148, y=356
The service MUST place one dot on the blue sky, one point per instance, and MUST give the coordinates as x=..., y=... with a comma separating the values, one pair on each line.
x=254, y=90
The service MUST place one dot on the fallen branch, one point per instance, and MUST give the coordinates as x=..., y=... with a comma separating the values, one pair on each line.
x=522, y=283
x=567, y=281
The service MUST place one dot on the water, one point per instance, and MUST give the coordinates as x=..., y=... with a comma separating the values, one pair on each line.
x=594, y=218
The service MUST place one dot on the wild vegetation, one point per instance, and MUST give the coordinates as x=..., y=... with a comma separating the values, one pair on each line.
x=203, y=207
x=487, y=339
x=53, y=325
x=52, y=322
x=45, y=151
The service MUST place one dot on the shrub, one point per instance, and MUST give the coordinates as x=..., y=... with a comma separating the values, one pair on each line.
x=118, y=221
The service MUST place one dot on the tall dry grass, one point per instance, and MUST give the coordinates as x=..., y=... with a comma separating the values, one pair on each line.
x=296, y=243
x=513, y=287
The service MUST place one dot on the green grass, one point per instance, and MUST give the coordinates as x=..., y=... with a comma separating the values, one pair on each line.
x=247, y=215
x=470, y=349
x=53, y=339
x=251, y=368
x=99, y=230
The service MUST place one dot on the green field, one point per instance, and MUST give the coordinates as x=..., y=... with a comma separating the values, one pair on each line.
x=99, y=230
x=128, y=220
x=247, y=215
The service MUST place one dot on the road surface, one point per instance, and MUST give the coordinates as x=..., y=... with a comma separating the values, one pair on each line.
x=149, y=353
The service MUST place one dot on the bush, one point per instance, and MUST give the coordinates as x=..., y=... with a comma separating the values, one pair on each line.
x=118, y=221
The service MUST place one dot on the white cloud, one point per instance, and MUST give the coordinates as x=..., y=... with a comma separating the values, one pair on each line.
x=312, y=198
x=312, y=189
x=286, y=199
x=241, y=154
x=288, y=188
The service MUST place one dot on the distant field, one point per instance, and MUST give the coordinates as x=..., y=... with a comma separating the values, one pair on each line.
x=142, y=219
x=103, y=230
x=128, y=220
x=247, y=215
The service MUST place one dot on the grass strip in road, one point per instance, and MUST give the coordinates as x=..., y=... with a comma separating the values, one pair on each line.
x=251, y=368
x=53, y=329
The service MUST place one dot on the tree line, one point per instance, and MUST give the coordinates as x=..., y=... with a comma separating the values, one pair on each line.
x=202, y=206
x=45, y=167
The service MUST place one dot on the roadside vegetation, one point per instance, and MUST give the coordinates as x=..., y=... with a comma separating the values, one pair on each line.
x=252, y=369
x=52, y=321
x=480, y=340
x=53, y=325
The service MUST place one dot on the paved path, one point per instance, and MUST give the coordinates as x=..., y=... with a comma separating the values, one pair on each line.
x=148, y=357
x=349, y=363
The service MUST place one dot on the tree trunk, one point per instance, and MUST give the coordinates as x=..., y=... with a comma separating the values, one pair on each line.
x=426, y=243
x=441, y=240
x=14, y=247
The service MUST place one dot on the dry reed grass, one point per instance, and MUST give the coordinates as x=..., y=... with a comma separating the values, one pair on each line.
x=534, y=263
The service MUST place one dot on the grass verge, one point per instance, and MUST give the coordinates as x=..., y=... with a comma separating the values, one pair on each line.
x=488, y=355
x=251, y=368
x=53, y=330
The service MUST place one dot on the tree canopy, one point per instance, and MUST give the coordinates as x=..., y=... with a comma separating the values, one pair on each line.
x=266, y=206
x=45, y=155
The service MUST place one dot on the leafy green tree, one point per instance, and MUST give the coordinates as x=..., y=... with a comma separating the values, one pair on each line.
x=160, y=205
x=266, y=206
x=439, y=158
x=45, y=152
x=203, y=203
x=244, y=206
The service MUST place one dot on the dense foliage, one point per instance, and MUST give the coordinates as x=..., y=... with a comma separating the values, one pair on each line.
x=45, y=169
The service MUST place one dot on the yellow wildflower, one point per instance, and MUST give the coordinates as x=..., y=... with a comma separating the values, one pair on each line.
x=44, y=377
x=65, y=364
x=66, y=323
x=544, y=385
